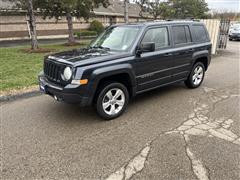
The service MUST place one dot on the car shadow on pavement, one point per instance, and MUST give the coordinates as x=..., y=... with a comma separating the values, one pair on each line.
x=153, y=94
x=74, y=113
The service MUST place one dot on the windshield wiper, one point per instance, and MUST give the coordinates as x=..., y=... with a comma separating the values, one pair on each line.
x=101, y=47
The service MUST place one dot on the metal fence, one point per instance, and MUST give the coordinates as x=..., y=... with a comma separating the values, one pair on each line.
x=223, y=34
x=218, y=31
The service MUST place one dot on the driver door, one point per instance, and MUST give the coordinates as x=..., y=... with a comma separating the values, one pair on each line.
x=154, y=69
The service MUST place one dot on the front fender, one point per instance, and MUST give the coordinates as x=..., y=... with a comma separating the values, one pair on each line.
x=101, y=73
x=104, y=72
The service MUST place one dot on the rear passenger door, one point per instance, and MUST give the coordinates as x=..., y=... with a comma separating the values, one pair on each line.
x=182, y=52
x=154, y=68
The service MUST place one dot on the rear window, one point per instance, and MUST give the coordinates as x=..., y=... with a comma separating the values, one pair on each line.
x=200, y=33
x=181, y=35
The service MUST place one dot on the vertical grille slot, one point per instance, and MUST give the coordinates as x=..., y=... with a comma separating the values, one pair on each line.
x=52, y=71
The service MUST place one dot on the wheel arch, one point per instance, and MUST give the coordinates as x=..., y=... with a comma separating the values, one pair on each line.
x=202, y=57
x=120, y=73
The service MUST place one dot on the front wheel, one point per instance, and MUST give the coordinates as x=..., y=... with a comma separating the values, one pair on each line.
x=112, y=100
x=196, y=76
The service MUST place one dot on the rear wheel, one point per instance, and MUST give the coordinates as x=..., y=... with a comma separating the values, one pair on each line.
x=112, y=100
x=196, y=76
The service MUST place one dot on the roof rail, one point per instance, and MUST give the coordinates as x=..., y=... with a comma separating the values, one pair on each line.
x=187, y=19
x=159, y=20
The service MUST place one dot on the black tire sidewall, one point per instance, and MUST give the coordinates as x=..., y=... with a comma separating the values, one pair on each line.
x=101, y=95
x=190, y=78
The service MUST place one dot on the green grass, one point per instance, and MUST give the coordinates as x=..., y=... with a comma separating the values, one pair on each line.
x=19, y=69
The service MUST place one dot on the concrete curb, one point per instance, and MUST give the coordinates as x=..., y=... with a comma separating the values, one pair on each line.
x=13, y=97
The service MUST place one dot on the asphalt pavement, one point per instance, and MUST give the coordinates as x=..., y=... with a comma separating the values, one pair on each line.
x=170, y=133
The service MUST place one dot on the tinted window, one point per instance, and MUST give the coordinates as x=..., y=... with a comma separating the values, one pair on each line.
x=181, y=34
x=200, y=33
x=157, y=35
x=188, y=34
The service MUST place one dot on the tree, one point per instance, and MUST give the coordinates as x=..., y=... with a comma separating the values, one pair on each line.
x=225, y=15
x=126, y=15
x=196, y=9
x=174, y=9
x=32, y=25
x=156, y=8
x=70, y=9
x=29, y=6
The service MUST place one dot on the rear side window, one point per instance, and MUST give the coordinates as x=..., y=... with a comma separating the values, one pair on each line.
x=181, y=34
x=157, y=35
x=200, y=33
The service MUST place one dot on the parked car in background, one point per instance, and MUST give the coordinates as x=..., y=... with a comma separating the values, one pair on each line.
x=234, y=32
x=127, y=60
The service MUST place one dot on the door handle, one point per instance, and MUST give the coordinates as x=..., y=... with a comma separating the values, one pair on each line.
x=168, y=54
x=190, y=50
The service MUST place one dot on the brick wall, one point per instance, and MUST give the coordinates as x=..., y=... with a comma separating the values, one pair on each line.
x=13, y=26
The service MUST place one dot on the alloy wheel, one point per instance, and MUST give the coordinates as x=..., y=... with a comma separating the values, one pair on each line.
x=113, y=101
x=197, y=75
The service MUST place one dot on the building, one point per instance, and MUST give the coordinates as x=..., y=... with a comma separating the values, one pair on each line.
x=14, y=24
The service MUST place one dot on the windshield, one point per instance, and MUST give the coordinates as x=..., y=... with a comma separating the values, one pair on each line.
x=236, y=26
x=116, y=38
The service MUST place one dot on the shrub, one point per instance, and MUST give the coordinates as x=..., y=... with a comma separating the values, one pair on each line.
x=85, y=33
x=96, y=26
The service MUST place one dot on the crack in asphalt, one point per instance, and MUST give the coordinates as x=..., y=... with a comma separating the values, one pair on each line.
x=197, y=167
x=134, y=166
x=198, y=124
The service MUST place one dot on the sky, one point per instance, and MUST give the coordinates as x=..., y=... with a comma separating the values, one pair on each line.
x=224, y=5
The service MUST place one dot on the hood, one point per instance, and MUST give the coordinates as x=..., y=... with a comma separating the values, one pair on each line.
x=86, y=56
x=80, y=54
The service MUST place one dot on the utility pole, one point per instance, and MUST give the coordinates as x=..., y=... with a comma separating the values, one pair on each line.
x=126, y=14
x=32, y=26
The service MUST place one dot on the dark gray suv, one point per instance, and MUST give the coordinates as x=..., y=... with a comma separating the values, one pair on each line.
x=127, y=60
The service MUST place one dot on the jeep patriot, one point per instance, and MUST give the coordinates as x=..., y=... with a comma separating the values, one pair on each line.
x=126, y=60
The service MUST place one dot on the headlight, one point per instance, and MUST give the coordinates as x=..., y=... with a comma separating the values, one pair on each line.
x=67, y=73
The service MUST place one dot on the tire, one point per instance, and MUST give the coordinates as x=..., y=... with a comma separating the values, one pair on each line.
x=114, y=106
x=230, y=39
x=196, y=76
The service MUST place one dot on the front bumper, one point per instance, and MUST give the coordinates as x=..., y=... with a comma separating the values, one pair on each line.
x=69, y=94
x=234, y=36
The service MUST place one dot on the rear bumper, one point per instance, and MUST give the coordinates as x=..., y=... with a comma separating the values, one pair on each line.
x=68, y=94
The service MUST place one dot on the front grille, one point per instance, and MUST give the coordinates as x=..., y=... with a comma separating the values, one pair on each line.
x=53, y=70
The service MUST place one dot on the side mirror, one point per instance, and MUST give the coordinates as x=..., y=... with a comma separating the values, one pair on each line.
x=146, y=47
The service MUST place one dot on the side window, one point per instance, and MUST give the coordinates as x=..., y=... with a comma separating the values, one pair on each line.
x=200, y=33
x=157, y=35
x=188, y=34
x=181, y=34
